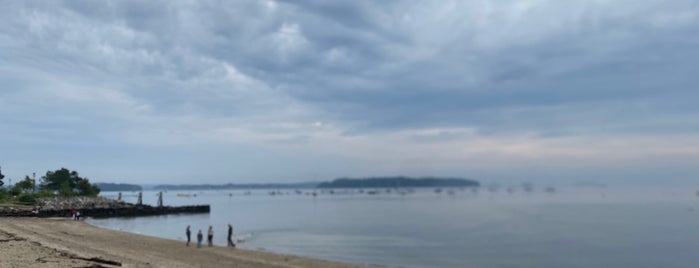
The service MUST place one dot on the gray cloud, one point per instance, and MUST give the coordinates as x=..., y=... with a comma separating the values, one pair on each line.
x=292, y=83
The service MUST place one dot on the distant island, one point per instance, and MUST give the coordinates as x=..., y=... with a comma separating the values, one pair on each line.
x=373, y=182
x=114, y=187
x=396, y=182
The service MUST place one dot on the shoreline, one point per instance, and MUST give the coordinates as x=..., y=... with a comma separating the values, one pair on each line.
x=61, y=242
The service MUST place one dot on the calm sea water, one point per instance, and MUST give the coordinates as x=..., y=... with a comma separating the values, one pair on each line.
x=575, y=227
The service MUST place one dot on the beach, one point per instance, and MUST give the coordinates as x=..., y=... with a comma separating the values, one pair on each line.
x=61, y=242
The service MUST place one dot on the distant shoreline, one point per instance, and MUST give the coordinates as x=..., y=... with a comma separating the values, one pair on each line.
x=370, y=182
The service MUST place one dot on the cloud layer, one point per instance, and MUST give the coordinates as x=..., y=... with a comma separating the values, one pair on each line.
x=242, y=91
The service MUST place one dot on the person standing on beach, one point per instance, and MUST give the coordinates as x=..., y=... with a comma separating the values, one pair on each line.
x=72, y=212
x=77, y=215
x=210, y=237
x=230, y=236
x=200, y=237
x=189, y=234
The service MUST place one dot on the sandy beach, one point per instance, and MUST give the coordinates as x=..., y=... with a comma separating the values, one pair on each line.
x=60, y=242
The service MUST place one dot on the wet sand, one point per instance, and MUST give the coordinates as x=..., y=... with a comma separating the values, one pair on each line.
x=60, y=242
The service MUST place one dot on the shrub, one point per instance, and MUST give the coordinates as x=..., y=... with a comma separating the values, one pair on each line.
x=15, y=191
x=4, y=195
x=45, y=193
x=27, y=198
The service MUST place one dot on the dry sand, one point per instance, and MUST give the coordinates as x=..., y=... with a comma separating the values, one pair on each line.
x=60, y=242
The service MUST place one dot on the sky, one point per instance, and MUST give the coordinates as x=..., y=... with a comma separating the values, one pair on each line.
x=544, y=91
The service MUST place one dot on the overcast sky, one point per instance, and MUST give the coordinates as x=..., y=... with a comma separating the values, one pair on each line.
x=555, y=92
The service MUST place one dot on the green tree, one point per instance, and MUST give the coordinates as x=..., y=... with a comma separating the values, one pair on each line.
x=85, y=188
x=65, y=189
x=26, y=185
x=68, y=183
x=55, y=180
x=1, y=177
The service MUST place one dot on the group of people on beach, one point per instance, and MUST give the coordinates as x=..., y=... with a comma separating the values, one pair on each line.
x=75, y=214
x=209, y=237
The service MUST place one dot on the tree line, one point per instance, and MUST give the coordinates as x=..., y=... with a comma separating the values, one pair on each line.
x=61, y=182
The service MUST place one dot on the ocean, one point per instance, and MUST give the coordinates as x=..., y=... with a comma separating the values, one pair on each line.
x=570, y=227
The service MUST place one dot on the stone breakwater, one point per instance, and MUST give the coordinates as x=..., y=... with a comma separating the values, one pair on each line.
x=94, y=207
x=80, y=202
x=17, y=211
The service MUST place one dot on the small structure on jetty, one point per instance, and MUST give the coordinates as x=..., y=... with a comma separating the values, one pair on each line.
x=97, y=207
x=160, y=199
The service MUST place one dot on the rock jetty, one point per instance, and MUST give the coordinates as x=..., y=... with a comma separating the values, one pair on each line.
x=98, y=207
x=17, y=211
x=80, y=202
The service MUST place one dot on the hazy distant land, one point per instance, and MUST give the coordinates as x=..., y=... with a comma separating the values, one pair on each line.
x=373, y=182
x=229, y=186
x=113, y=187
x=396, y=182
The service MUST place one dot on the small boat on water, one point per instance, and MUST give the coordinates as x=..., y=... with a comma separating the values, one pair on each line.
x=183, y=195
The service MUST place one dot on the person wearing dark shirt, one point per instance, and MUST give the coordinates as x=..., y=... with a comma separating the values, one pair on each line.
x=230, y=236
x=210, y=237
x=189, y=234
x=200, y=237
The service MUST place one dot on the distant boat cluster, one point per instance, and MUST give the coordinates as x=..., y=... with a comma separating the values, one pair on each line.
x=371, y=186
x=525, y=188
